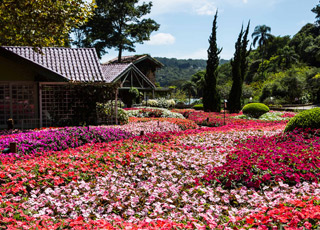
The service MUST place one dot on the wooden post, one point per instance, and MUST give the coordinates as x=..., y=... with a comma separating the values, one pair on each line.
x=13, y=147
x=116, y=106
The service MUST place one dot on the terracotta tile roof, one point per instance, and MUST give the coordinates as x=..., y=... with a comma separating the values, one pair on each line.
x=135, y=59
x=75, y=64
x=112, y=71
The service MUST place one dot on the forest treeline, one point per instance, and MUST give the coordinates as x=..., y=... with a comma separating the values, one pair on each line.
x=176, y=71
x=281, y=69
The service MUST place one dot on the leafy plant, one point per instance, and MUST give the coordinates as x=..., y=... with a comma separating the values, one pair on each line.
x=198, y=107
x=255, y=110
x=306, y=119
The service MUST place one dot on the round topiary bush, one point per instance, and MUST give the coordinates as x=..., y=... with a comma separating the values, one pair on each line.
x=255, y=110
x=198, y=107
x=306, y=119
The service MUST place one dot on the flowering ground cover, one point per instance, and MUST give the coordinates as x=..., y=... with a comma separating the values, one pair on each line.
x=183, y=124
x=160, y=181
x=29, y=143
x=152, y=112
x=256, y=162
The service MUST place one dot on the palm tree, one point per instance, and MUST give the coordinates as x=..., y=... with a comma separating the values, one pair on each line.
x=190, y=87
x=261, y=34
x=289, y=56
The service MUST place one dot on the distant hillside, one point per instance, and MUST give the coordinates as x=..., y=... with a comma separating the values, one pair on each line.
x=176, y=71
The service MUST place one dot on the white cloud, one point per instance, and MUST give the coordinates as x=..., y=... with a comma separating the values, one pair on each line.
x=245, y=1
x=201, y=7
x=161, y=39
x=207, y=9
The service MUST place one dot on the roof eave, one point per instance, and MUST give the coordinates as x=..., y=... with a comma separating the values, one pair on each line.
x=37, y=67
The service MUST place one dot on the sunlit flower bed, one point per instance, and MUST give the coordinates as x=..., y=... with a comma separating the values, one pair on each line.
x=161, y=181
x=183, y=124
x=149, y=126
x=152, y=112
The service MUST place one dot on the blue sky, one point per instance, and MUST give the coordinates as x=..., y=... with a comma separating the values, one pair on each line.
x=185, y=25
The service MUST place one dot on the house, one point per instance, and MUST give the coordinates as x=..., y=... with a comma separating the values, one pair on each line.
x=30, y=81
x=145, y=63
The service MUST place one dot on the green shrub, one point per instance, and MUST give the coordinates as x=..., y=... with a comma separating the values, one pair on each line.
x=198, y=107
x=123, y=117
x=107, y=112
x=306, y=119
x=255, y=110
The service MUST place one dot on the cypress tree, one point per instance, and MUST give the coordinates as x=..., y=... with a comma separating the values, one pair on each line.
x=239, y=65
x=211, y=98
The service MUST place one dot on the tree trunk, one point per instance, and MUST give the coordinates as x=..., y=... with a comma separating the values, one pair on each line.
x=120, y=54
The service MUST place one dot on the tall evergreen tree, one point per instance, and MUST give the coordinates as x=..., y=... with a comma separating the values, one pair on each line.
x=119, y=24
x=316, y=10
x=239, y=70
x=211, y=98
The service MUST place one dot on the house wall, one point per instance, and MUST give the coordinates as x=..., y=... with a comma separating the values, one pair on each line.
x=148, y=69
x=19, y=94
x=12, y=71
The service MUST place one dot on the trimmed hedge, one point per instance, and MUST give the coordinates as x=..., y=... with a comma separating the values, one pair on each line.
x=306, y=119
x=198, y=107
x=255, y=110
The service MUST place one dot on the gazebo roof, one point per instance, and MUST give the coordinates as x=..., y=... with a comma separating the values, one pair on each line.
x=114, y=72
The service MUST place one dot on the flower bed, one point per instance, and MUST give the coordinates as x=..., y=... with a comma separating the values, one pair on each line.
x=59, y=139
x=301, y=213
x=152, y=112
x=149, y=126
x=183, y=124
x=256, y=162
x=155, y=181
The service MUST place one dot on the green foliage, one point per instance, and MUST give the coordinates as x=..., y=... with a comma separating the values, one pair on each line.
x=199, y=80
x=134, y=92
x=286, y=86
x=255, y=110
x=307, y=44
x=177, y=71
x=190, y=88
x=211, y=98
x=106, y=111
x=239, y=70
x=306, y=119
x=179, y=96
x=130, y=96
x=313, y=83
x=41, y=23
x=198, y=107
x=118, y=24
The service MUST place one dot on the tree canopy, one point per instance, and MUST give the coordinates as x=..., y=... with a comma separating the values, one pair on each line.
x=41, y=23
x=117, y=24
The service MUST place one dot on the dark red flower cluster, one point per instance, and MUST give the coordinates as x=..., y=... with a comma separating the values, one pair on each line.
x=289, y=157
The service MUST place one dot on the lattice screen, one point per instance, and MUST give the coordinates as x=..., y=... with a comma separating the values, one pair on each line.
x=56, y=102
x=18, y=101
x=5, y=113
